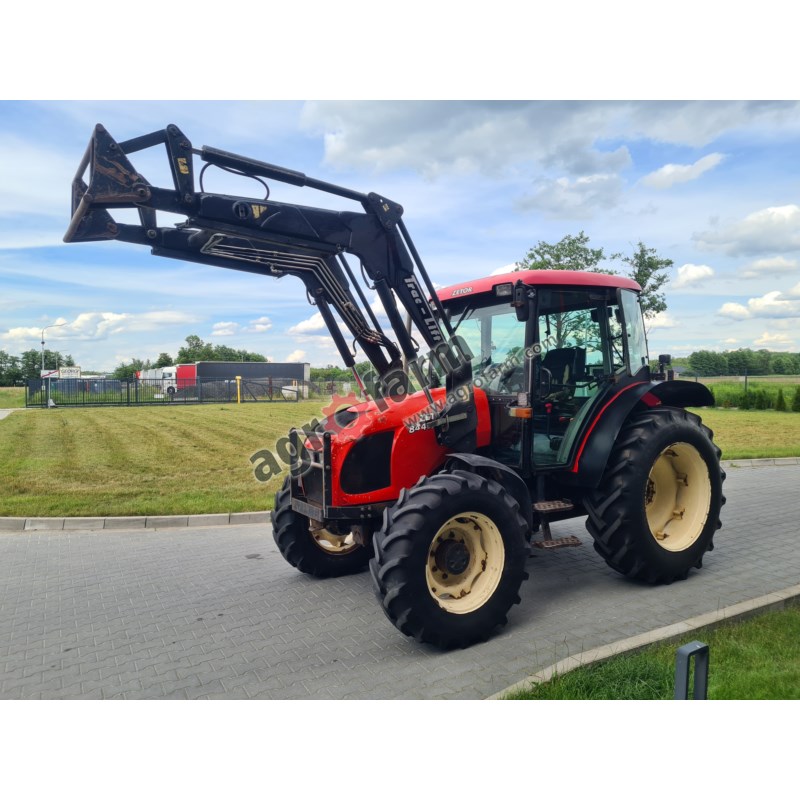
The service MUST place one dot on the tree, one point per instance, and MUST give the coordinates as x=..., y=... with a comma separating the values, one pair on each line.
x=163, y=360
x=10, y=370
x=796, y=400
x=198, y=350
x=572, y=252
x=650, y=272
x=706, y=363
x=780, y=401
x=127, y=372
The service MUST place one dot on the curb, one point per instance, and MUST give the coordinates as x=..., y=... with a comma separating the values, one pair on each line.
x=17, y=524
x=762, y=462
x=23, y=524
x=775, y=601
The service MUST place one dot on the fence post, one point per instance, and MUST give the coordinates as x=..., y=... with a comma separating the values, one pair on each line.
x=128, y=387
x=682, y=666
x=238, y=388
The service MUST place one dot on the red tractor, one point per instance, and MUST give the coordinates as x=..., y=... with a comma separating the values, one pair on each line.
x=500, y=405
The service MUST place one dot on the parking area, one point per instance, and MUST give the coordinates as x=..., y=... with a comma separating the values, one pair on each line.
x=215, y=612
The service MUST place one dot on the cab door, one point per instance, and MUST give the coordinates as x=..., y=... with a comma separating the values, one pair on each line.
x=580, y=351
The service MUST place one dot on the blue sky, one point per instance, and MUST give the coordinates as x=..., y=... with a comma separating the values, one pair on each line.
x=711, y=185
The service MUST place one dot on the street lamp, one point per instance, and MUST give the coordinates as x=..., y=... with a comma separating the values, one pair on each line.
x=57, y=325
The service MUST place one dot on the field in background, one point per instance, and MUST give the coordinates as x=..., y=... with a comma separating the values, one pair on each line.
x=140, y=461
x=196, y=459
x=12, y=397
x=753, y=434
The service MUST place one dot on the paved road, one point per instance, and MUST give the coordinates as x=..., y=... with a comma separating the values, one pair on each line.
x=216, y=612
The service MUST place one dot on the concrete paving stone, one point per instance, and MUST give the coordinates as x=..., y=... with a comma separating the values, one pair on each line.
x=174, y=694
x=233, y=694
x=195, y=692
x=12, y=523
x=130, y=600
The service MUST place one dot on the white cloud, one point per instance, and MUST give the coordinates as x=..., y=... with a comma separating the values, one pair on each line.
x=734, y=311
x=661, y=320
x=730, y=341
x=692, y=274
x=260, y=325
x=670, y=174
x=94, y=325
x=770, y=267
x=224, y=328
x=573, y=198
x=296, y=355
x=435, y=137
x=774, y=341
x=772, y=305
x=313, y=323
x=770, y=230
x=504, y=270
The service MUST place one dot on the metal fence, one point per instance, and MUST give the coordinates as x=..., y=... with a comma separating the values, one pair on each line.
x=110, y=392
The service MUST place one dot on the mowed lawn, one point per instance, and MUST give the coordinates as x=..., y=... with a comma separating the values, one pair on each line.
x=140, y=461
x=753, y=434
x=196, y=459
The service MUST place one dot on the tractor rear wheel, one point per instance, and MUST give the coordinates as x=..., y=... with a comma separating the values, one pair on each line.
x=323, y=553
x=656, y=511
x=450, y=559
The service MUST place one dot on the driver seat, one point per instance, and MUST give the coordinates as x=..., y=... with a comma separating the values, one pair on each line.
x=566, y=365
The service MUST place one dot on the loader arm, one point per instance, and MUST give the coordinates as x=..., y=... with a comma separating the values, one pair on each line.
x=276, y=239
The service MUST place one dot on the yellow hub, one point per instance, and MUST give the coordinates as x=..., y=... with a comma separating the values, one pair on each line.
x=465, y=562
x=333, y=544
x=678, y=497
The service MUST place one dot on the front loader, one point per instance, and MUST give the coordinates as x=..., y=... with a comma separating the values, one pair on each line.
x=496, y=407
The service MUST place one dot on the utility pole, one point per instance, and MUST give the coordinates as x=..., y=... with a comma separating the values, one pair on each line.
x=57, y=325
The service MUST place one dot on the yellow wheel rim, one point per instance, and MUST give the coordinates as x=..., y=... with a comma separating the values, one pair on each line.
x=678, y=497
x=333, y=544
x=465, y=562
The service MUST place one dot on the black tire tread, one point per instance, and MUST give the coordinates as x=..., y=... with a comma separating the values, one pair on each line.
x=609, y=508
x=295, y=543
x=400, y=535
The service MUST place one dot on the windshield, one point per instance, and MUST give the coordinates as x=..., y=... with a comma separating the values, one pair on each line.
x=497, y=341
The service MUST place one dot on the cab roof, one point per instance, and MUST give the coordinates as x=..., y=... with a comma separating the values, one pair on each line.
x=537, y=277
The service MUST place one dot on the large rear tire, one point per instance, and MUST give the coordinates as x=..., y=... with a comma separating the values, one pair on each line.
x=322, y=553
x=450, y=559
x=656, y=511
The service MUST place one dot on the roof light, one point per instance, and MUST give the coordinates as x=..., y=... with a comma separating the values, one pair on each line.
x=504, y=290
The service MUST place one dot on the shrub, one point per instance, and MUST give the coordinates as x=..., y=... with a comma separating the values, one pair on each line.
x=780, y=402
x=796, y=400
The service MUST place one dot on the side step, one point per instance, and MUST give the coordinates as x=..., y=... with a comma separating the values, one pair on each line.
x=548, y=542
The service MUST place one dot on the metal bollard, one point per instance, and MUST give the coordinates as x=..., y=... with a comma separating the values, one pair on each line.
x=682, y=666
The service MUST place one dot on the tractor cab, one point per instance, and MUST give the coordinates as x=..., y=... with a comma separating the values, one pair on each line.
x=549, y=348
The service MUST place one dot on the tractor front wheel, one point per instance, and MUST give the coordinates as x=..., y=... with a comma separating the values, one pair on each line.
x=322, y=552
x=450, y=559
x=656, y=511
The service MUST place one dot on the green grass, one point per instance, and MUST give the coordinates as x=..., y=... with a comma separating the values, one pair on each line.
x=753, y=434
x=139, y=461
x=757, y=659
x=12, y=397
x=195, y=459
